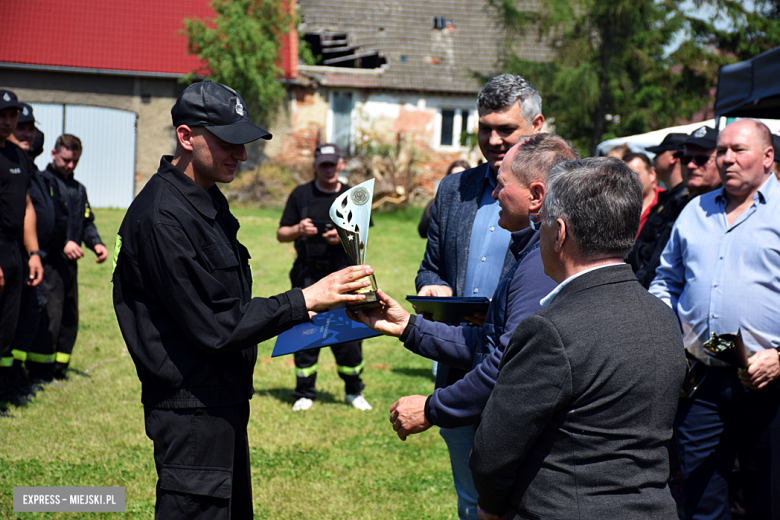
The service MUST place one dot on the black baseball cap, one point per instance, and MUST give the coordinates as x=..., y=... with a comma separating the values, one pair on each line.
x=26, y=114
x=8, y=100
x=327, y=153
x=219, y=109
x=776, y=146
x=703, y=136
x=672, y=141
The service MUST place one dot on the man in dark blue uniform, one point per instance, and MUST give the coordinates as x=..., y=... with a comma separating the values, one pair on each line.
x=183, y=299
x=19, y=253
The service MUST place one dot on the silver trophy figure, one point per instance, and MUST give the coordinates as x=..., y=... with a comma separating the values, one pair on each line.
x=351, y=212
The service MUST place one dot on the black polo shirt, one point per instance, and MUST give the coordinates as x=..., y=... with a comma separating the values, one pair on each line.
x=15, y=174
x=183, y=296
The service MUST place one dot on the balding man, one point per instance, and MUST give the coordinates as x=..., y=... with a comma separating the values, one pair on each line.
x=720, y=272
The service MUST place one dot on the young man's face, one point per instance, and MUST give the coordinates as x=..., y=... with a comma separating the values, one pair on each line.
x=213, y=159
x=24, y=135
x=65, y=161
x=501, y=129
x=8, y=118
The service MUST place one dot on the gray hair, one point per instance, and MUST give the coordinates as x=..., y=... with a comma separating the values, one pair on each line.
x=502, y=91
x=600, y=199
x=538, y=155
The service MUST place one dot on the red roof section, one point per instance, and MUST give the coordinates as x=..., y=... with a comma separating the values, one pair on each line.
x=133, y=36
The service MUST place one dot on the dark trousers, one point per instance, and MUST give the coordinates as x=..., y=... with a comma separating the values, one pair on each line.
x=202, y=461
x=722, y=421
x=349, y=363
x=60, y=323
x=349, y=356
x=12, y=264
x=38, y=356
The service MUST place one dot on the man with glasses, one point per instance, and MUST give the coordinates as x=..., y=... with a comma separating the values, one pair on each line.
x=699, y=175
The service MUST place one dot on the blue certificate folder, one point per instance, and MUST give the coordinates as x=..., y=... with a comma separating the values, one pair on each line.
x=324, y=330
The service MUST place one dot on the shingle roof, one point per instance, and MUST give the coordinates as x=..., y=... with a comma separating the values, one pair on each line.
x=418, y=56
x=135, y=36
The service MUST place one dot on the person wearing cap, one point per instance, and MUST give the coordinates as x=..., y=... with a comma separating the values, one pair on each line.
x=60, y=284
x=19, y=252
x=37, y=361
x=696, y=153
x=306, y=221
x=183, y=300
x=719, y=272
x=667, y=162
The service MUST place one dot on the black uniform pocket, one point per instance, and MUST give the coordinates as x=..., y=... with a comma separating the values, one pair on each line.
x=196, y=481
x=220, y=256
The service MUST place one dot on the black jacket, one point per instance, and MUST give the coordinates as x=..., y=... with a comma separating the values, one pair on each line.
x=582, y=411
x=81, y=221
x=183, y=296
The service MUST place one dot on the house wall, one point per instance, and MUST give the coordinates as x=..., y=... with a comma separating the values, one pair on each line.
x=377, y=116
x=150, y=99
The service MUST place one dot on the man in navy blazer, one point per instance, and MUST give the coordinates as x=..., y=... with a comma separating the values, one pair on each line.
x=467, y=252
x=578, y=422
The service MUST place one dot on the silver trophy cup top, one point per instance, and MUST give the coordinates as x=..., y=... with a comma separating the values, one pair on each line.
x=351, y=212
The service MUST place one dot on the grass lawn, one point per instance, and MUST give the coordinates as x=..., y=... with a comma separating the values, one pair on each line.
x=329, y=462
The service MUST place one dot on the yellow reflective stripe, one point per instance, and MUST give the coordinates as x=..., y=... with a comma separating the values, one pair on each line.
x=20, y=355
x=117, y=248
x=61, y=357
x=351, y=371
x=6, y=361
x=86, y=211
x=306, y=372
x=40, y=358
x=51, y=190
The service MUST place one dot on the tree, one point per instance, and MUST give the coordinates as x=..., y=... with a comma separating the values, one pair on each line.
x=240, y=48
x=613, y=69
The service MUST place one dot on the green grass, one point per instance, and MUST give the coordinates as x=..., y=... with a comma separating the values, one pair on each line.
x=330, y=462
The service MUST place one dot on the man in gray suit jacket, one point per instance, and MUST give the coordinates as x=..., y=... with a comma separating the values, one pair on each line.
x=582, y=411
x=468, y=252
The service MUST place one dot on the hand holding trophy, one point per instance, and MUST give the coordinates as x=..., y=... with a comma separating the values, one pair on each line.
x=351, y=212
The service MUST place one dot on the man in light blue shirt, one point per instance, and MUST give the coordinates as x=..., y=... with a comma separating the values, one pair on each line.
x=720, y=272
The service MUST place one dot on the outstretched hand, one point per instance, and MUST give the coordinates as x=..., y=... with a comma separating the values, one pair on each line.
x=408, y=416
x=336, y=288
x=389, y=318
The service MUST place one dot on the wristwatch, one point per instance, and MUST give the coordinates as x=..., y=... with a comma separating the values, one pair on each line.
x=40, y=253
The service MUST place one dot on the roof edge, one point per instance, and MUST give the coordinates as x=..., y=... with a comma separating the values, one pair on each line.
x=108, y=72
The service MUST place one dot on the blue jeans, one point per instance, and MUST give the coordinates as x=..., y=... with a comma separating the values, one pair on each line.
x=459, y=443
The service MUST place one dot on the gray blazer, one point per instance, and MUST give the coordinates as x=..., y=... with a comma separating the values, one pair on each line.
x=582, y=411
x=449, y=235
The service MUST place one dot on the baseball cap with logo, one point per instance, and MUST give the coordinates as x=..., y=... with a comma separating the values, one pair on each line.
x=26, y=115
x=672, y=141
x=327, y=153
x=704, y=136
x=8, y=100
x=219, y=109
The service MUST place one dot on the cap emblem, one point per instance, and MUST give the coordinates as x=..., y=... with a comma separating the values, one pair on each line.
x=701, y=132
x=239, y=108
x=7, y=97
x=327, y=150
x=25, y=112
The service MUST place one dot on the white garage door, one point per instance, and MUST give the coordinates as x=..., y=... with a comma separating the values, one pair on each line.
x=107, y=165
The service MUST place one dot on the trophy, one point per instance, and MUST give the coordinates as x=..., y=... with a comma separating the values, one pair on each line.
x=351, y=212
x=729, y=348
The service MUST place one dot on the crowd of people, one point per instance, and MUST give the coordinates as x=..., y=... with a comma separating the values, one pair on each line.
x=607, y=277
x=45, y=218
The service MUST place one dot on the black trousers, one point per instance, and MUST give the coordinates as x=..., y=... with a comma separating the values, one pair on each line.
x=202, y=461
x=60, y=323
x=13, y=267
x=349, y=356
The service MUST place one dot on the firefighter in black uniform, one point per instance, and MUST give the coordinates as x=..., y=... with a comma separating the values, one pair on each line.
x=19, y=253
x=61, y=283
x=32, y=302
x=306, y=221
x=182, y=296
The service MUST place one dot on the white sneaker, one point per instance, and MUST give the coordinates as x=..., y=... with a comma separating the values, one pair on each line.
x=304, y=403
x=358, y=401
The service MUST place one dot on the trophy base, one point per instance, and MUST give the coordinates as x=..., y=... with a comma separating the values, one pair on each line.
x=371, y=301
